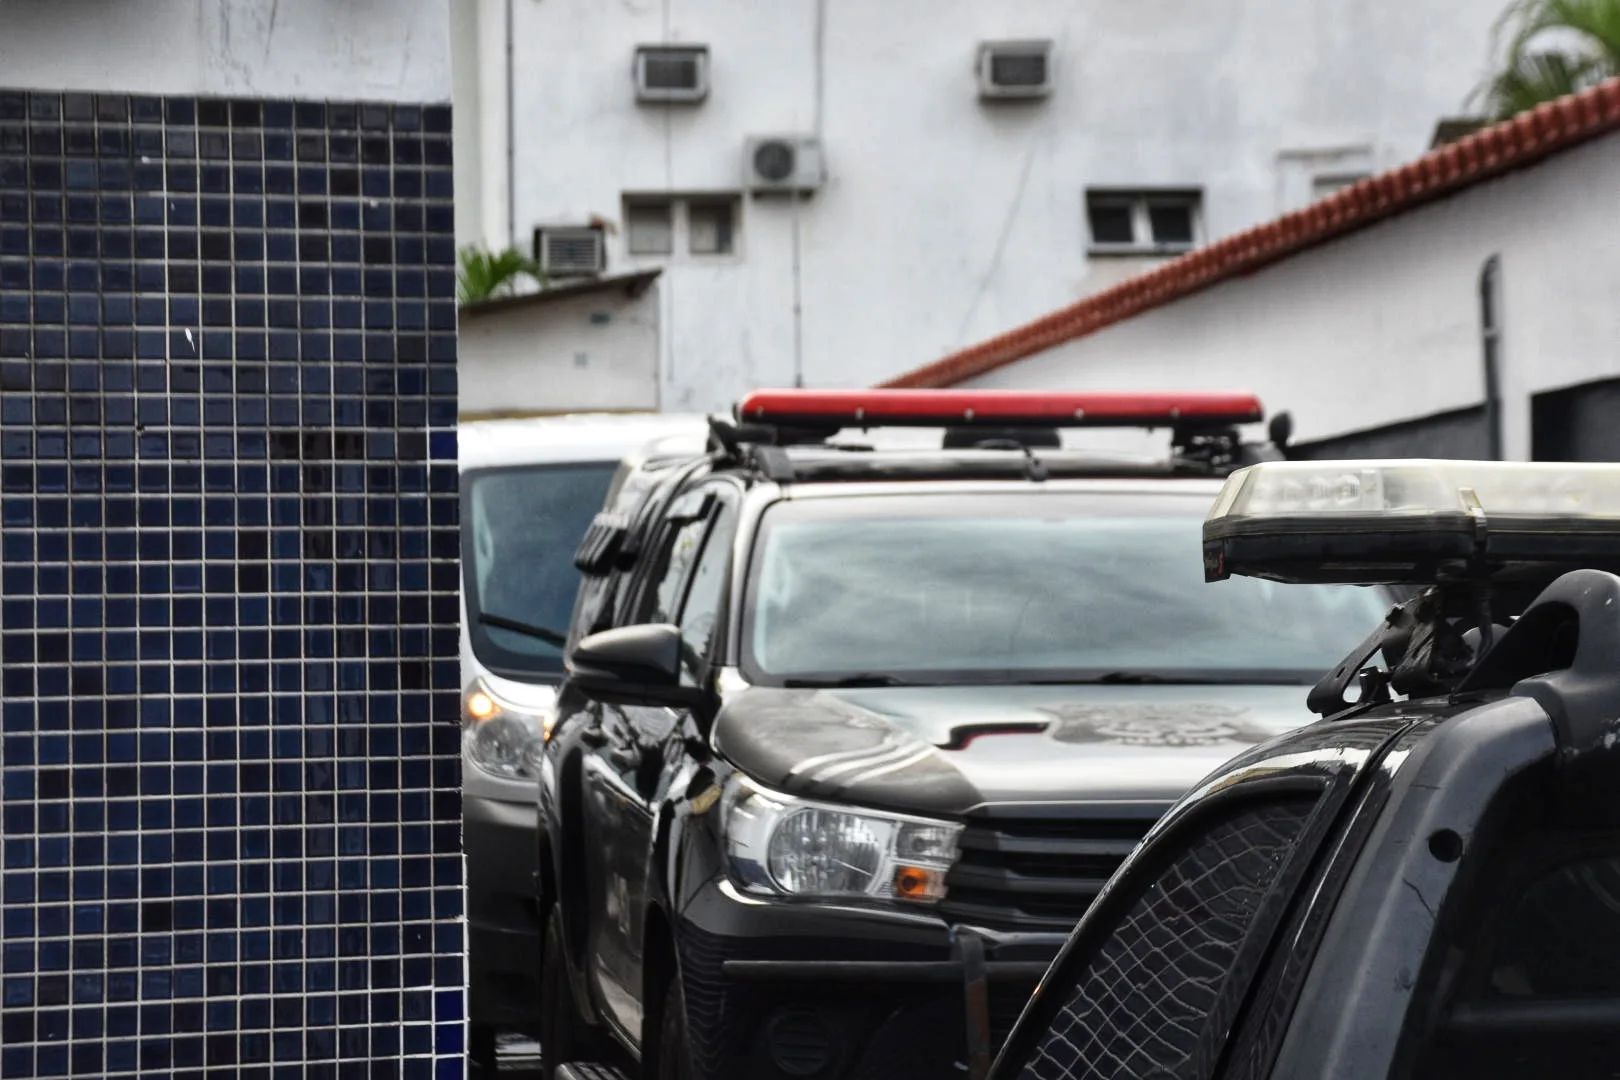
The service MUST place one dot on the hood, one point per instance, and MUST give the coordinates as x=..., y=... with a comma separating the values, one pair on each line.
x=946, y=750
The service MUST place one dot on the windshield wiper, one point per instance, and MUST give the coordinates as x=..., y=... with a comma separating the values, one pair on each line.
x=1141, y=678
x=858, y=679
x=539, y=633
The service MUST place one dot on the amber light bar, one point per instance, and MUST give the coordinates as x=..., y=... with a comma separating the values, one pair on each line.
x=1036, y=408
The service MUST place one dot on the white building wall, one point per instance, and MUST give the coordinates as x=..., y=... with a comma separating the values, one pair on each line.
x=582, y=354
x=944, y=219
x=1384, y=324
x=385, y=50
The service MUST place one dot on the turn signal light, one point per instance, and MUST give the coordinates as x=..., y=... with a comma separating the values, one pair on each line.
x=918, y=883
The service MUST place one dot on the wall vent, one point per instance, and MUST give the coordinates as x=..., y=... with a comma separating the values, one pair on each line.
x=570, y=251
x=672, y=73
x=1015, y=69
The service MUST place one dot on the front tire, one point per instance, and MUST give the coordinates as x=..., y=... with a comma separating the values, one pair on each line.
x=674, y=1056
x=564, y=1034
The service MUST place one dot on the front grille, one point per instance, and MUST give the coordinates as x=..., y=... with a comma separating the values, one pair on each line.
x=1041, y=870
x=1007, y=1001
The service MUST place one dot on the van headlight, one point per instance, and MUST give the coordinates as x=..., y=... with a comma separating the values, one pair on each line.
x=788, y=846
x=501, y=738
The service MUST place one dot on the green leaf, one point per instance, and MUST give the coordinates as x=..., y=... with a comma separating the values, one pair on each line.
x=1548, y=49
x=484, y=276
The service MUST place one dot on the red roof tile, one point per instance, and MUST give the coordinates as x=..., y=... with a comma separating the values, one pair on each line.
x=1513, y=144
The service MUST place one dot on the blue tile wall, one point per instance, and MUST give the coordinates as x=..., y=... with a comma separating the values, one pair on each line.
x=229, y=778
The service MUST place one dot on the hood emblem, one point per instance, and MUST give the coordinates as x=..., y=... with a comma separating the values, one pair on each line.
x=1166, y=724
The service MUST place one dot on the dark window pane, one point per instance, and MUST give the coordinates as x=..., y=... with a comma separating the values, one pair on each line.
x=526, y=524
x=1563, y=938
x=648, y=229
x=702, y=608
x=1016, y=70
x=1172, y=223
x=671, y=71
x=710, y=228
x=1111, y=224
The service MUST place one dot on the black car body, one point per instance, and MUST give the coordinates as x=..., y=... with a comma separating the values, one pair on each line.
x=1423, y=889
x=528, y=489
x=1426, y=883
x=1010, y=772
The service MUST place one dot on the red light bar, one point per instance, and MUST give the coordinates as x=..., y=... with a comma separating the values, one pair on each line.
x=1009, y=408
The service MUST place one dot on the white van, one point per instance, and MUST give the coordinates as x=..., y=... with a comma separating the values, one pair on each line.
x=529, y=488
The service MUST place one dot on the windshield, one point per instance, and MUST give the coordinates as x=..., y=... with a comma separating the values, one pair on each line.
x=1023, y=587
x=523, y=526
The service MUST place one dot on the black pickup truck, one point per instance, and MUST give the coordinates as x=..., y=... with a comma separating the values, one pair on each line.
x=1423, y=884
x=842, y=721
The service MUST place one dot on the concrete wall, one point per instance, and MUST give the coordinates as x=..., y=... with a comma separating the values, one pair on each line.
x=1383, y=326
x=587, y=353
x=944, y=219
x=384, y=50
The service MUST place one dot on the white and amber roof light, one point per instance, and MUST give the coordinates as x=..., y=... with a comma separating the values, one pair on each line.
x=1412, y=520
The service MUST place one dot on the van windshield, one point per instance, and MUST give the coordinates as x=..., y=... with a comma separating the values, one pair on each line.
x=1060, y=587
x=521, y=528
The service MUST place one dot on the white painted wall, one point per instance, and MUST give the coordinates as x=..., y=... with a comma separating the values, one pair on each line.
x=385, y=50
x=944, y=219
x=1383, y=325
x=466, y=92
x=588, y=353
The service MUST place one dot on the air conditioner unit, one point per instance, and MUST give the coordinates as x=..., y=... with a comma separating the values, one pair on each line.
x=569, y=251
x=773, y=163
x=672, y=73
x=1015, y=69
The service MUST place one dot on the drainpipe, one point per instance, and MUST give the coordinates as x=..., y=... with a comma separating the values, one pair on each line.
x=511, y=127
x=1490, y=332
x=819, y=45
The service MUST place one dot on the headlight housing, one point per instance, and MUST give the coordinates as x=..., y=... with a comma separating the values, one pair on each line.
x=501, y=738
x=782, y=845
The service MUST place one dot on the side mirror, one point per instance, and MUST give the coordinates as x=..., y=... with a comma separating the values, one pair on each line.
x=632, y=665
x=1280, y=430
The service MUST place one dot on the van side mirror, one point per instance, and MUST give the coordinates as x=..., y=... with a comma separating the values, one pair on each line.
x=1280, y=430
x=632, y=665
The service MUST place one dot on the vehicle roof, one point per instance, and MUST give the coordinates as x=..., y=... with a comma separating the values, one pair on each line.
x=575, y=437
x=1115, y=485
x=829, y=465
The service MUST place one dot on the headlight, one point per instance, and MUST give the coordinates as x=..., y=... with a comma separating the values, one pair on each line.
x=501, y=738
x=785, y=845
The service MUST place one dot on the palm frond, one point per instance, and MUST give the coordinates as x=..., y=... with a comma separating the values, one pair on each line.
x=1547, y=49
x=1533, y=79
x=484, y=275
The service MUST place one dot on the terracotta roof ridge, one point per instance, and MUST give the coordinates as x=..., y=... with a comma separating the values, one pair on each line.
x=1515, y=143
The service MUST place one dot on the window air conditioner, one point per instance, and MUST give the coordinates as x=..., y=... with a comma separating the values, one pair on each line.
x=783, y=163
x=1015, y=69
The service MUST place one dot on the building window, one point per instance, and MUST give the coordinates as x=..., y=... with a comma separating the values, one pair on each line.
x=1144, y=222
x=699, y=225
x=710, y=226
x=649, y=226
x=1325, y=184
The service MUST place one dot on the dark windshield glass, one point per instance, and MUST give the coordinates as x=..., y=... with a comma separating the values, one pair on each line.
x=1059, y=585
x=523, y=526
